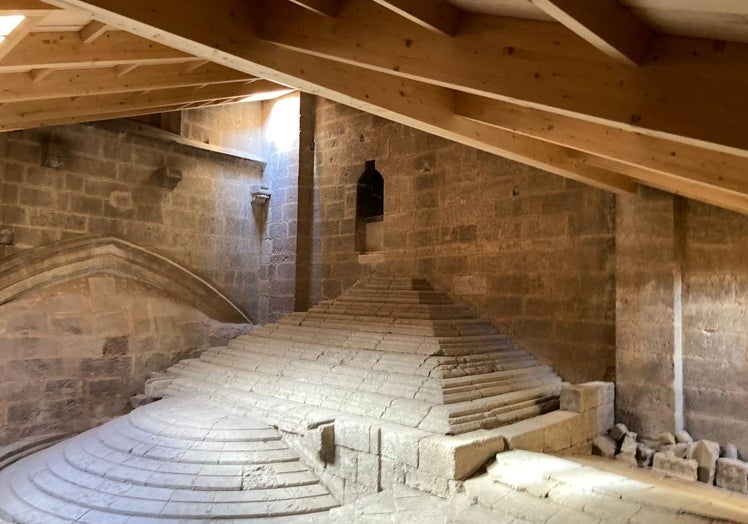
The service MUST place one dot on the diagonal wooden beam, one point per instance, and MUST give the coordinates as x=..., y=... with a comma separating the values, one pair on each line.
x=436, y=15
x=605, y=24
x=425, y=107
x=320, y=7
x=686, y=91
x=19, y=87
x=18, y=35
x=92, y=31
x=712, y=176
x=68, y=51
x=22, y=115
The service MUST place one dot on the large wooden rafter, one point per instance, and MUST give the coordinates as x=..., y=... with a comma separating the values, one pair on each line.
x=603, y=23
x=425, y=107
x=67, y=50
x=680, y=92
x=19, y=87
x=436, y=15
x=21, y=115
x=527, y=90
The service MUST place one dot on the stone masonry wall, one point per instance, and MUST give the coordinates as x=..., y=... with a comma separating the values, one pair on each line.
x=529, y=250
x=72, y=354
x=715, y=323
x=108, y=188
x=71, y=357
x=682, y=318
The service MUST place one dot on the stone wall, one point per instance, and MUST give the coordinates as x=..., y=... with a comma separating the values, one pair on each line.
x=715, y=323
x=681, y=314
x=108, y=188
x=70, y=356
x=529, y=250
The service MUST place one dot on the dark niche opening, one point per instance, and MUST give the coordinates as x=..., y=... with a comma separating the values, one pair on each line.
x=370, y=210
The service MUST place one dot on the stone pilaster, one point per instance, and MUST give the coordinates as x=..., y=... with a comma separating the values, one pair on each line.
x=649, y=375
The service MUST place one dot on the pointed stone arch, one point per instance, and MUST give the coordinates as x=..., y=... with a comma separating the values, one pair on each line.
x=67, y=260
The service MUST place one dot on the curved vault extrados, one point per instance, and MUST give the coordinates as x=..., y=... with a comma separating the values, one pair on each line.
x=66, y=260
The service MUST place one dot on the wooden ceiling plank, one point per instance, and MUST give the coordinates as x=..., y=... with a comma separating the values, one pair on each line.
x=667, y=96
x=327, y=8
x=650, y=155
x=26, y=8
x=19, y=87
x=605, y=24
x=435, y=15
x=67, y=51
x=92, y=31
x=23, y=115
x=18, y=35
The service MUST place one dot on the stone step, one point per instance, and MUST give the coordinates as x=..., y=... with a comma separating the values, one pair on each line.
x=44, y=508
x=28, y=446
x=341, y=377
x=122, y=428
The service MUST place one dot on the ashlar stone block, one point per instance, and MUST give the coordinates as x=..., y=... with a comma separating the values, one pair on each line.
x=587, y=396
x=604, y=446
x=400, y=443
x=706, y=453
x=732, y=474
x=456, y=457
x=672, y=466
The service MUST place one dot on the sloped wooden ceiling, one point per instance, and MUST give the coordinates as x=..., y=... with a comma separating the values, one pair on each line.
x=592, y=90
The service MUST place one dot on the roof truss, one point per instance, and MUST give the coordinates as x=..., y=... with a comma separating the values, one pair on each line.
x=528, y=90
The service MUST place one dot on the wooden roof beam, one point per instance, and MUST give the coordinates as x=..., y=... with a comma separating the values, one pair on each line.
x=68, y=51
x=711, y=176
x=19, y=87
x=92, y=31
x=426, y=107
x=605, y=24
x=435, y=15
x=686, y=92
x=22, y=115
x=321, y=7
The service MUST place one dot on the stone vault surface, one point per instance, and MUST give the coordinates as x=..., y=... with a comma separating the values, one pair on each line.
x=176, y=460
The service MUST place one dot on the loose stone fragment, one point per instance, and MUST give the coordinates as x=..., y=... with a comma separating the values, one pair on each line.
x=730, y=451
x=666, y=439
x=683, y=437
x=628, y=450
x=604, y=446
x=644, y=455
x=676, y=450
x=673, y=466
x=732, y=474
x=618, y=431
x=706, y=453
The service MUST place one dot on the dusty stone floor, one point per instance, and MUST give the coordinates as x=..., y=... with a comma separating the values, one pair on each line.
x=523, y=487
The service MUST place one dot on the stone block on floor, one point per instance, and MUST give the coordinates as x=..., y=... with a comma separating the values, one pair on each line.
x=672, y=466
x=732, y=474
x=456, y=457
x=706, y=453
